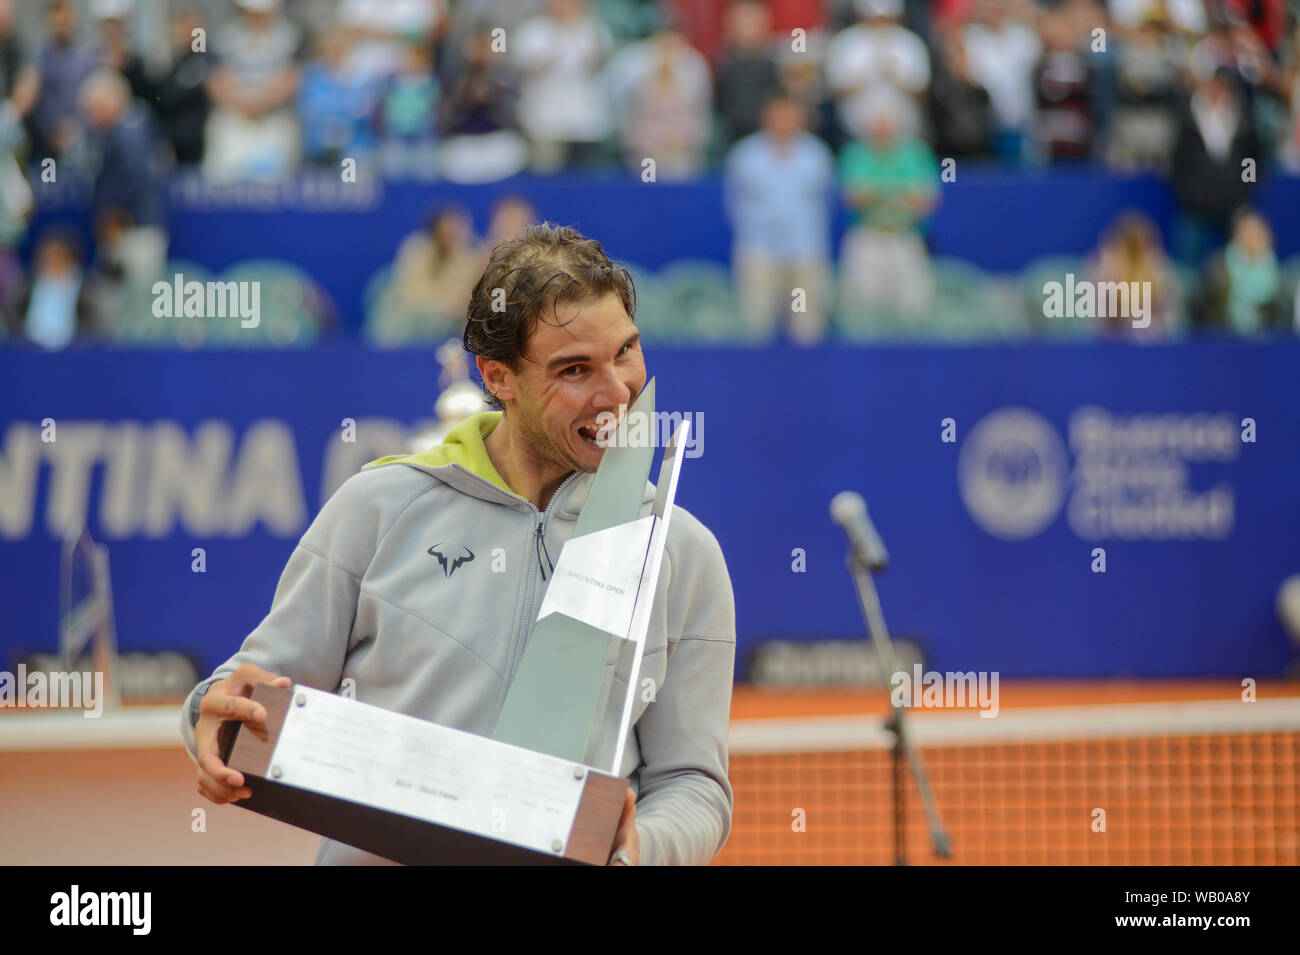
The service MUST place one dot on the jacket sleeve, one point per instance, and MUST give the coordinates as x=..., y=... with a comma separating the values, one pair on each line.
x=306, y=634
x=684, y=799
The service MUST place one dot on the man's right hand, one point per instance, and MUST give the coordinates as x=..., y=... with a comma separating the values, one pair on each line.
x=228, y=700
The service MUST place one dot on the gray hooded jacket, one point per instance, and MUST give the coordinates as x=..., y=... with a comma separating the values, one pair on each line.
x=364, y=597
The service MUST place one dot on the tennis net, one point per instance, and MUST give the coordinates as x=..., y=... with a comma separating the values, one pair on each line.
x=1170, y=783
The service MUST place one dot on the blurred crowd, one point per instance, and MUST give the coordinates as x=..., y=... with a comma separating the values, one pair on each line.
x=1207, y=94
x=801, y=104
x=480, y=89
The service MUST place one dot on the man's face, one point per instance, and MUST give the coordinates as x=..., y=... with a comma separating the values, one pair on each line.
x=63, y=20
x=783, y=119
x=588, y=365
x=882, y=131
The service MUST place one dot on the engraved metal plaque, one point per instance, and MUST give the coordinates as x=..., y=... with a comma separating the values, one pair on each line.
x=418, y=792
x=365, y=754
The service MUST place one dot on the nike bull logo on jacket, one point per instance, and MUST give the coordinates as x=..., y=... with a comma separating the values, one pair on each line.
x=365, y=597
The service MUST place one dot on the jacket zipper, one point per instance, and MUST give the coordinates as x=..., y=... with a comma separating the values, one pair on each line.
x=542, y=551
x=526, y=623
x=530, y=591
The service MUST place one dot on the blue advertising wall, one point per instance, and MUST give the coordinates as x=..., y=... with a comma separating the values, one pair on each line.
x=985, y=469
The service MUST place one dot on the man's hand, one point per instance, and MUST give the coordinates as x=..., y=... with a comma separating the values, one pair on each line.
x=627, y=837
x=228, y=700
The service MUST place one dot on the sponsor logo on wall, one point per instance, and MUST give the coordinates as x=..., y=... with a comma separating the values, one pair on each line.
x=1122, y=476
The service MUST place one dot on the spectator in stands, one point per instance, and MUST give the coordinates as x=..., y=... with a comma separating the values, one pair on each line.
x=1131, y=252
x=1003, y=51
x=662, y=91
x=747, y=73
x=510, y=216
x=961, y=110
x=1264, y=74
x=1266, y=19
x=562, y=107
x=115, y=51
x=54, y=310
x=467, y=17
x=252, y=133
x=1142, y=126
x=1243, y=293
x=180, y=93
x=778, y=188
x=18, y=87
x=63, y=64
x=891, y=184
x=128, y=201
x=1215, y=136
x=19, y=83
x=409, y=116
x=16, y=208
x=1232, y=45
x=335, y=106
x=477, y=117
x=383, y=30
x=1064, y=87
x=436, y=270
x=1289, y=147
x=1185, y=18
x=875, y=57
x=799, y=76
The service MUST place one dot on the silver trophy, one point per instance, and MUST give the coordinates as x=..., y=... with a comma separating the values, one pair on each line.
x=459, y=398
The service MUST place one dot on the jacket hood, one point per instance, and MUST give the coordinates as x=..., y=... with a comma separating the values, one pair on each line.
x=462, y=462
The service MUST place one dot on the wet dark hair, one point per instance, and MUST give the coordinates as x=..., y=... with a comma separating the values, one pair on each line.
x=542, y=267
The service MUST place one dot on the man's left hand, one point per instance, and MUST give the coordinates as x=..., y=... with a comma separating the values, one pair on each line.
x=627, y=837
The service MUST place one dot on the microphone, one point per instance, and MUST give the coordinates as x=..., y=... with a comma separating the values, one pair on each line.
x=849, y=511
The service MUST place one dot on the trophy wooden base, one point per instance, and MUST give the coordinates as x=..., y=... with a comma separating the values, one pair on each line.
x=405, y=838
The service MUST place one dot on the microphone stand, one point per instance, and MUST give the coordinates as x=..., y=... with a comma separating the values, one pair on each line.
x=869, y=601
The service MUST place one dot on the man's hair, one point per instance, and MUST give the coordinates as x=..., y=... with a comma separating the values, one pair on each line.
x=526, y=278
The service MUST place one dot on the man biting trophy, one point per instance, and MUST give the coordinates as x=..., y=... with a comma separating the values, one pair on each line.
x=422, y=586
